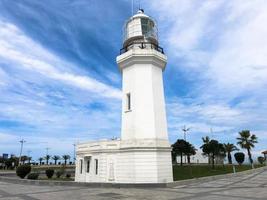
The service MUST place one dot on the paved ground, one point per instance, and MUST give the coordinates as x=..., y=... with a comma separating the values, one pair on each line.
x=253, y=186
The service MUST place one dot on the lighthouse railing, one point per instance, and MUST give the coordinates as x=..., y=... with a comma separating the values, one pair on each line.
x=142, y=45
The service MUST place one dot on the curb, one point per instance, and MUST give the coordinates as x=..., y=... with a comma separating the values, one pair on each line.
x=81, y=184
x=127, y=185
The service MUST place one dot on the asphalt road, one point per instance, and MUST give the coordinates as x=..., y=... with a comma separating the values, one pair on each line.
x=245, y=187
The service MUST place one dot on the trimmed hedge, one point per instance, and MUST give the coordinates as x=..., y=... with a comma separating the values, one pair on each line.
x=23, y=170
x=33, y=176
x=68, y=175
x=59, y=173
x=49, y=173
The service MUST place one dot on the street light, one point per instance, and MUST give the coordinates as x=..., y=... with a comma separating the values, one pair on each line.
x=74, y=153
x=21, y=148
x=185, y=130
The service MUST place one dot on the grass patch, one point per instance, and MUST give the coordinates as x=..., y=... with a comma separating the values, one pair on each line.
x=196, y=171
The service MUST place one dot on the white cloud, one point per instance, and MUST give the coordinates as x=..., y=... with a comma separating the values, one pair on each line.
x=44, y=98
x=18, y=48
x=221, y=46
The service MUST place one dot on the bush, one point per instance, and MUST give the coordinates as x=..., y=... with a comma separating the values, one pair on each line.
x=68, y=175
x=33, y=176
x=261, y=159
x=49, y=173
x=59, y=173
x=239, y=157
x=23, y=170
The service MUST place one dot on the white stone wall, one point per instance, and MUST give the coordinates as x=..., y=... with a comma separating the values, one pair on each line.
x=142, y=78
x=129, y=166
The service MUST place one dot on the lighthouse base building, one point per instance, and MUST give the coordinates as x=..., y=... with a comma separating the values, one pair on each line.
x=117, y=161
x=143, y=153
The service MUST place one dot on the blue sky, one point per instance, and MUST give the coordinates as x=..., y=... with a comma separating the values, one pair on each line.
x=59, y=82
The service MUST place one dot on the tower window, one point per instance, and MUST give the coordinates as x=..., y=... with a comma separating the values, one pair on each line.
x=96, y=166
x=81, y=166
x=88, y=165
x=128, y=101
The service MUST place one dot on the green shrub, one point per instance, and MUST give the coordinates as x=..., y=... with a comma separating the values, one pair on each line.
x=49, y=173
x=33, y=176
x=23, y=170
x=59, y=173
x=68, y=175
x=239, y=157
x=261, y=159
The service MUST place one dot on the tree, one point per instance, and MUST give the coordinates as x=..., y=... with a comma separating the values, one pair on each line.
x=12, y=162
x=23, y=159
x=29, y=159
x=247, y=141
x=56, y=158
x=47, y=158
x=190, y=151
x=173, y=157
x=261, y=159
x=230, y=148
x=206, y=139
x=213, y=148
x=178, y=148
x=65, y=158
x=40, y=160
x=239, y=157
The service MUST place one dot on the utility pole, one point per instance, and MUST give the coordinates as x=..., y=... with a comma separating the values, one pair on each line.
x=74, y=153
x=21, y=148
x=47, y=148
x=211, y=133
x=185, y=130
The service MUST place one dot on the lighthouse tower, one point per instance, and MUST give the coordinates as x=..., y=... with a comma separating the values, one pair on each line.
x=144, y=124
x=143, y=153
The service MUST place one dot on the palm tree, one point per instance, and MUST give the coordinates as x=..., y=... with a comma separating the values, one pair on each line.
x=190, y=151
x=213, y=149
x=230, y=148
x=206, y=139
x=65, y=158
x=47, y=158
x=247, y=141
x=40, y=160
x=56, y=158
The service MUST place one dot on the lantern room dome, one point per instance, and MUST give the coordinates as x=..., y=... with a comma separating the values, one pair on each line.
x=140, y=28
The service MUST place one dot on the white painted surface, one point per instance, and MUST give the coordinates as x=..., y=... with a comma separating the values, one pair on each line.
x=143, y=155
x=141, y=164
x=142, y=78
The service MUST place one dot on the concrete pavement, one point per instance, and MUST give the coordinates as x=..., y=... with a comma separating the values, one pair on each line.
x=245, y=187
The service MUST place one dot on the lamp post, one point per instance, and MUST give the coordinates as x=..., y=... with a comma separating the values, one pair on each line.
x=21, y=149
x=185, y=130
x=74, y=153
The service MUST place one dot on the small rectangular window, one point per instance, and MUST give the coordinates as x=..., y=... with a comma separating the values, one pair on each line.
x=81, y=166
x=128, y=101
x=88, y=165
x=96, y=166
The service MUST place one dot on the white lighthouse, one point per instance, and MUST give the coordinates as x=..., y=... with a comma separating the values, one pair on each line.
x=143, y=154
